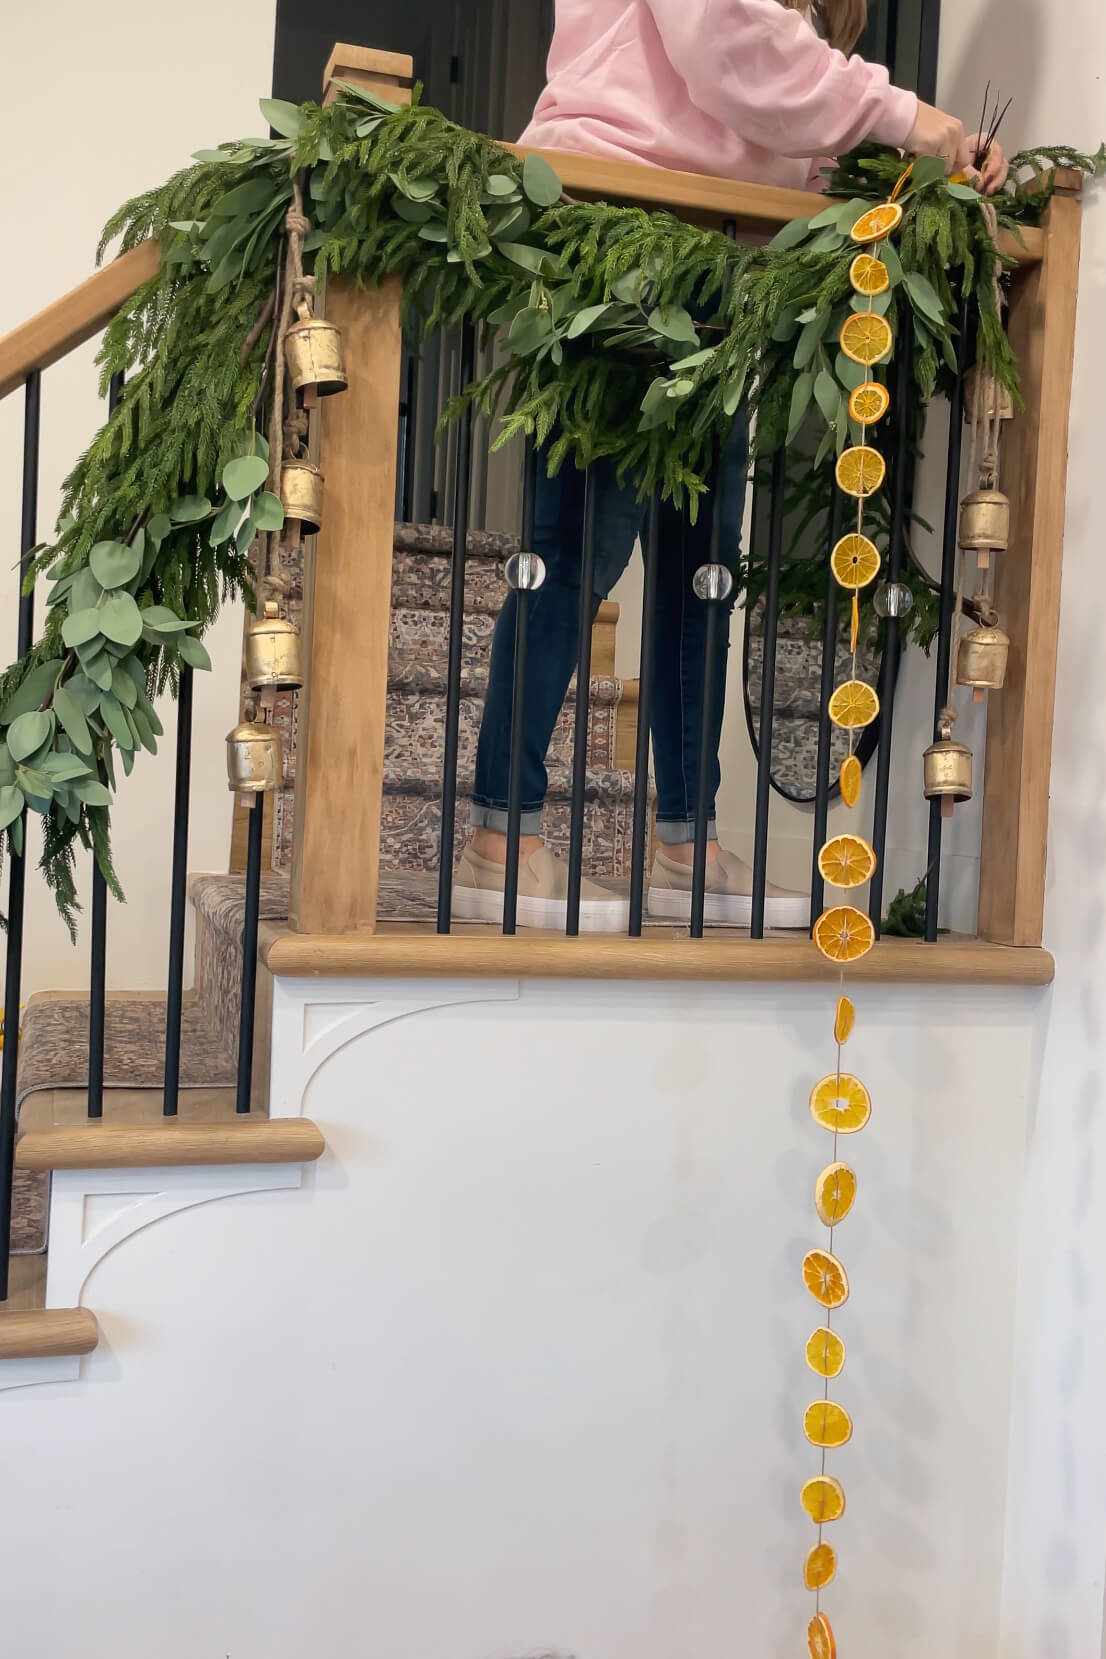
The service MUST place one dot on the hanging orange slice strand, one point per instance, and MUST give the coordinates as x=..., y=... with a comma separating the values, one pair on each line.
x=866, y=337
x=840, y=1103
x=834, y=1194
x=852, y=776
x=854, y=626
x=825, y=1353
x=823, y=1498
x=847, y=861
x=820, y=1567
x=860, y=472
x=827, y=1425
x=904, y=180
x=869, y=276
x=855, y=561
x=869, y=403
x=825, y=1278
x=845, y=1020
x=844, y=934
x=819, y=1638
x=877, y=223
x=853, y=704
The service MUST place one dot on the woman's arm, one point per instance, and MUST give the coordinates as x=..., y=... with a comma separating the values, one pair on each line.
x=763, y=71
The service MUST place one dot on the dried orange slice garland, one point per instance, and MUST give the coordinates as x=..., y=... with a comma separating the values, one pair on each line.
x=840, y=1103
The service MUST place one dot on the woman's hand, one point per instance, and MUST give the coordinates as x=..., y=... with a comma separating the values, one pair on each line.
x=995, y=170
x=936, y=134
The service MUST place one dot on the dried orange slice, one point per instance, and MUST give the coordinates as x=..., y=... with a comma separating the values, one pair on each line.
x=866, y=337
x=827, y=1425
x=844, y=934
x=904, y=180
x=819, y=1638
x=825, y=1278
x=834, y=1194
x=869, y=403
x=854, y=625
x=840, y=1102
x=853, y=704
x=877, y=223
x=852, y=775
x=855, y=561
x=820, y=1567
x=861, y=471
x=844, y=1020
x=823, y=1498
x=825, y=1353
x=869, y=276
x=847, y=861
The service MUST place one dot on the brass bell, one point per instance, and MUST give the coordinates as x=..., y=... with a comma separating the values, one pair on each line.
x=301, y=494
x=985, y=523
x=255, y=762
x=981, y=660
x=948, y=771
x=997, y=400
x=274, y=659
x=313, y=352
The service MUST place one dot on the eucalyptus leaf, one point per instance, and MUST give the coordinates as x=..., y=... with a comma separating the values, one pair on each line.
x=530, y=259
x=7, y=766
x=890, y=256
x=83, y=693
x=800, y=402
x=672, y=322
x=434, y=232
x=147, y=710
x=64, y=768
x=161, y=620
x=143, y=730
x=830, y=241
x=850, y=374
x=810, y=339
x=585, y=319
x=113, y=564
x=159, y=527
x=283, y=117
x=786, y=324
x=924, y=296
x=367, y=126
x=416, y=190
x=500, y=184
x=630, y=287
x=267, y=512
x=244, y=475
x=512, y=223
x=540, y=182
x=226, y=522
x=827, y=395
x=92, y=792
x=34, y=691
x=192, y=652
x=81, y=626
x=121, y=620
x=245, y=199
x=116, y=721
x=11, y=804
x=365, y=95
x=790, y=235
x=962, y=192
x=28, y=733
x=188, y=509
x=414, y=213
x=733, y=396
x=927, y=170
x=97, y=665
x=123, y=687
x=72, y=721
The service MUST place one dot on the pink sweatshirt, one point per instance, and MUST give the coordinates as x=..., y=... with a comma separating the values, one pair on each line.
x=740, y=89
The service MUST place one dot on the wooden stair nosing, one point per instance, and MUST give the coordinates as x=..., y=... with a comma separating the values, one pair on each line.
x=146, y=1146
x=47, y=1333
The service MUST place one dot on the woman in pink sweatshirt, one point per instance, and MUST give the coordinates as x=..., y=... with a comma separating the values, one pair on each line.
x=757, y=90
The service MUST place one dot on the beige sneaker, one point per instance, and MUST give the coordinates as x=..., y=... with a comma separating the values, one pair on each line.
x=542, y=895
x=729, y=894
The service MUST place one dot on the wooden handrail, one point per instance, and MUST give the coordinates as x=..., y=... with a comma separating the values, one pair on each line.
x=75, y=318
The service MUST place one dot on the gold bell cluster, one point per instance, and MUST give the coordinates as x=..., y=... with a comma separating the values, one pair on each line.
x=947, y=770
x=274, y=653
x=315, y=356
x=255, y=759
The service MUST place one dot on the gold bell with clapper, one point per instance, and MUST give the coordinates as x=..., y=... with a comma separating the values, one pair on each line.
x=315, y=358
x=981, y=660
x=985, y=524
x=948, y=771
x=274, y=655
x=255, y=760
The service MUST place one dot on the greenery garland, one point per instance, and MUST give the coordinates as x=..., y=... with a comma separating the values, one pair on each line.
x=603, y=358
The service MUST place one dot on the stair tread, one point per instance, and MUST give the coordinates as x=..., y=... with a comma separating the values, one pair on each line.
x=105, y=1145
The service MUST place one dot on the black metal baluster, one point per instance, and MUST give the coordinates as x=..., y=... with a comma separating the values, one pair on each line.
x=17, y=872
x=767, y=696
x=825, y=724
x=525, y=573
x=456, y=635
x=713, y=584
x=902, y=398
x=949, y=542
x=179, y=894
x=583, y=704
x=651, y=552
x=98, y=949
x=249, y=952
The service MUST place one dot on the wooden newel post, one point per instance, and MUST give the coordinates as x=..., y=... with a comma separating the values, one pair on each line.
x=1027, y=584
x=347, y=593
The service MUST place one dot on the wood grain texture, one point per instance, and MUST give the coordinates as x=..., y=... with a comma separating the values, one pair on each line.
x=663, y=954
x=76, y=317
x=1027, y=592
x=365, y=66
x=106, y=1145
x=46, y=1332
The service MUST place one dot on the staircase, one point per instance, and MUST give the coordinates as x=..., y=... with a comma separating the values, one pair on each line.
x=411, y=827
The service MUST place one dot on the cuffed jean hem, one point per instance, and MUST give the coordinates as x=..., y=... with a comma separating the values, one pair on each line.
x=676, y=831
x=495, y=818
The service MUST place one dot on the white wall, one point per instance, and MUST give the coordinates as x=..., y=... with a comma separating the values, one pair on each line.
x=521, y=1368
x=109, y=100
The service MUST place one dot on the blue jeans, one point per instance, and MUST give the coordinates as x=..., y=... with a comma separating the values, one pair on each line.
x=552, y=642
